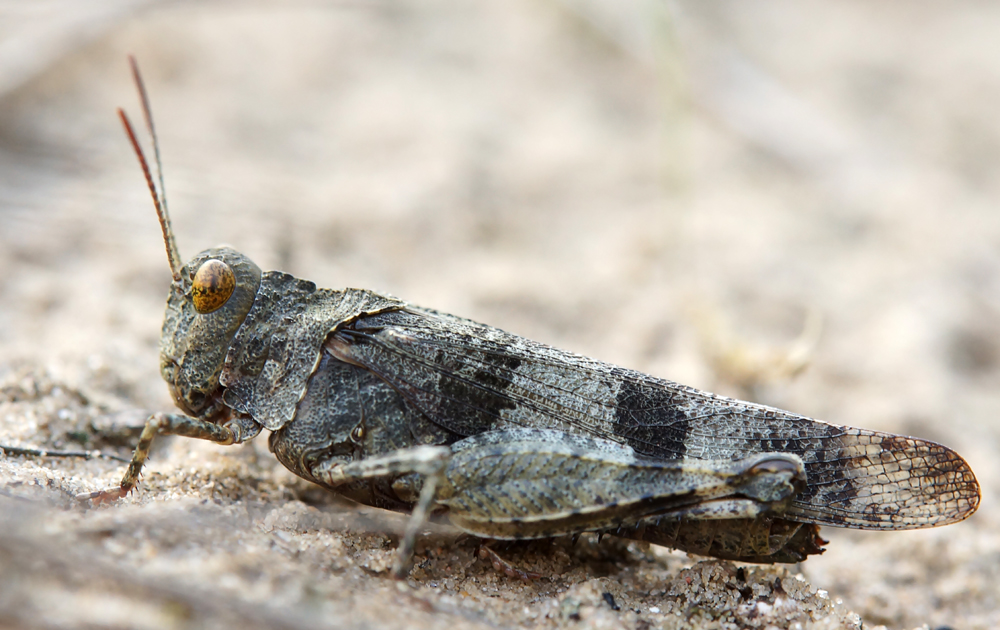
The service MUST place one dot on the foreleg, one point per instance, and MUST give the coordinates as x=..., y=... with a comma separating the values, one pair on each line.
x=160, y=424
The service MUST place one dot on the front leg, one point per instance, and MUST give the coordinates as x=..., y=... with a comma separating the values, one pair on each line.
x=163, y=424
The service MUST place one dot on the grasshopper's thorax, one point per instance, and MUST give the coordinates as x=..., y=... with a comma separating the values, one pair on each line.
x=205, y=308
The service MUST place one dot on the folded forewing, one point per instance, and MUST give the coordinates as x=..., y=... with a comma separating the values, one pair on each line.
x=471, y=378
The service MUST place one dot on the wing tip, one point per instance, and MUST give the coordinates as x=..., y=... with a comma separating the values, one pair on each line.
x=908, y=483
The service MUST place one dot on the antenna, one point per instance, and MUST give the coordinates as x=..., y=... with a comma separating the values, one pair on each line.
x=159, y=198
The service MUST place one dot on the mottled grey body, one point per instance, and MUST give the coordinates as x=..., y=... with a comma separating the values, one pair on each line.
x=406, y=408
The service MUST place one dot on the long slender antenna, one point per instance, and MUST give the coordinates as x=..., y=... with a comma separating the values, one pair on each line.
x=159, y=198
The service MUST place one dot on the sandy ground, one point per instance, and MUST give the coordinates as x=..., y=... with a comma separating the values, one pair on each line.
x=692, y=189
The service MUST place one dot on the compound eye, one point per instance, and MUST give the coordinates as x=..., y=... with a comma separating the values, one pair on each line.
x=213, y=283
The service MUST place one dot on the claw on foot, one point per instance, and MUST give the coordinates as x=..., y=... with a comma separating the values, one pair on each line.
x=101, y=497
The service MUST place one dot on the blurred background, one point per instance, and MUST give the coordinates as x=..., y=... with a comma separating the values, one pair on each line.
x=794, y=202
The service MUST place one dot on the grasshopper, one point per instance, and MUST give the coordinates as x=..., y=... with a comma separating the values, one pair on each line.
x=409, y=409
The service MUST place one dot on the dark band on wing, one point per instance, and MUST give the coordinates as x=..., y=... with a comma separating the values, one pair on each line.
x=648, y=419
x=479, y=394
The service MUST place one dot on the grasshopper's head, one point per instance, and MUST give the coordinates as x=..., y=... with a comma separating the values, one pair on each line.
x=209, y=299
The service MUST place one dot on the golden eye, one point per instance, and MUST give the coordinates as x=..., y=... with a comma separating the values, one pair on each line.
x=213, y=283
